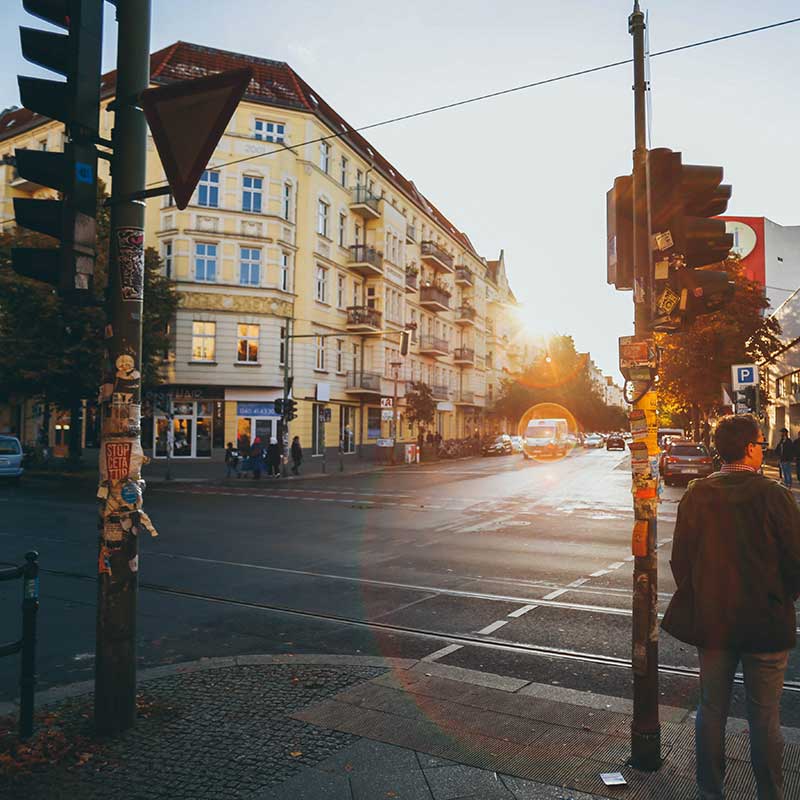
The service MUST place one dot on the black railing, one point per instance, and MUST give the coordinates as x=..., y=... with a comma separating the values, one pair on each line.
x=29, y=572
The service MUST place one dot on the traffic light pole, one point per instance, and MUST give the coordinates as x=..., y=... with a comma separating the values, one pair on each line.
x=645, y=728
x=121, y=455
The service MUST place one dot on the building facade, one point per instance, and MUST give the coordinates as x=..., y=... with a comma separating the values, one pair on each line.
x=303, y=254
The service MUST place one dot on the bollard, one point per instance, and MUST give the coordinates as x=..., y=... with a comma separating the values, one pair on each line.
x=30, y=607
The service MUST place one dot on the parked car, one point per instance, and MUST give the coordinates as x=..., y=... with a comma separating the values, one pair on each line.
x=499, y=446
x=683, y=460
x=10, y=458
x=516, y=444
x=593, y=440
x=615, y=442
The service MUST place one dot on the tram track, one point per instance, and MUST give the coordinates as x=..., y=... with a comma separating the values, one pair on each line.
x=484, y=642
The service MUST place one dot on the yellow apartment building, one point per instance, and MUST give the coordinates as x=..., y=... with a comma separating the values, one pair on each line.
x=298, y=224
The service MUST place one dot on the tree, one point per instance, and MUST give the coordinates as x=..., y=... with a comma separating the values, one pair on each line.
x=420, y=405
x=696, y=362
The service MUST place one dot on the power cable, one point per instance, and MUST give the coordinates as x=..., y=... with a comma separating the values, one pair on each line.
x=500, y=93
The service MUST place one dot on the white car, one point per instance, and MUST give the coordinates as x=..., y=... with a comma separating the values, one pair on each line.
x=11, y=458
x=516, y=444
x=592, y=440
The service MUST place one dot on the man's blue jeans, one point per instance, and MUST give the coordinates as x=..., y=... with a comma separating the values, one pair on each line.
x=786, y=472
x=763, y=680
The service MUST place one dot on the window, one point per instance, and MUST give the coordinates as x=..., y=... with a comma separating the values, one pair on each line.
x=287, y=201
x=342, y=229
x=324, y=156
x=285, y=269
x=247, y=351
x=319, y=342
x=347, y=427
x=317, y=430
x=166, y=253
x=282, y=347
x=321, y=285
x=251, y=193
x=373, y=423
x=203, y=339
x=359, y=177
x=355, y=357
x=343, y=175
x=341, y=288
x=205, y=262
x=356, y=234
x=269, y=131
x=340, y=355
x=322, y=217
x=208, y=189
x=249, y=266
x=356, y=289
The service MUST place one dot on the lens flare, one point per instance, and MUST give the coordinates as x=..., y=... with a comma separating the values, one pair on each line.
x=549, y=432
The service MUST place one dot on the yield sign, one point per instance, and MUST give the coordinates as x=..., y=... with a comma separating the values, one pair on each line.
x=187, y=120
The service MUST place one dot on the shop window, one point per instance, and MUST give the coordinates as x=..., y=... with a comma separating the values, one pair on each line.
x=203, y=341
x=247, y=350
x=347, y=427
x=373, y=423
x=317, y=429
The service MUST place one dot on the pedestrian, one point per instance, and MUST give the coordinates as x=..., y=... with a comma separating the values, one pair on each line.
x=256, y=458
x=429, y=438
x=797, y=455
x=438, y=439
x=232, y=460
x=297, y=455
x=274, y=458
x=736, y=563
x=786, y=455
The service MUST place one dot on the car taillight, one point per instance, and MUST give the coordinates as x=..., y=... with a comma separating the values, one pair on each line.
x=672, y=460
x=706, y=461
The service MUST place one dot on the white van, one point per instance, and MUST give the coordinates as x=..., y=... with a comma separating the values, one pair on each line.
x=545, y=437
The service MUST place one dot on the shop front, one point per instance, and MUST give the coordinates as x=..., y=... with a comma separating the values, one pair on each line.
x=255, y=419
x=192, y=425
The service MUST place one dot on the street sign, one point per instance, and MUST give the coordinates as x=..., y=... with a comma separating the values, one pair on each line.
x=386, y=402
x=187, y=119
x=385, y=442
x=744, y=375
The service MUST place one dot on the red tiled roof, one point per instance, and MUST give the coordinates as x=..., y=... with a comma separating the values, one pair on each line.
x=274, y=83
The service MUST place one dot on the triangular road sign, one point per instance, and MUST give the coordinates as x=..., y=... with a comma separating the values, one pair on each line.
x=187, y=120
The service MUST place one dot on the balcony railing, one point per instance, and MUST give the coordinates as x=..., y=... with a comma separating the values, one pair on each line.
x=434, y=298
x=464, y=276
x=440, y=391
x=411, y=281
x=464, y=355
x=465, y=397
x=433, y=344
x=366, y=259
x=364, y=382
x=363, y=201
x=363, y=317
x=466, y=314
x=436, y=257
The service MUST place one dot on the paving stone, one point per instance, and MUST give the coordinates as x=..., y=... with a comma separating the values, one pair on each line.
x=398, y=786
x=451, y=783
x=310, y=784
x=530, y=790
x=364, y=755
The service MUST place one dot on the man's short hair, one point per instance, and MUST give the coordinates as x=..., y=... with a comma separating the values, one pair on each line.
x=733, y=434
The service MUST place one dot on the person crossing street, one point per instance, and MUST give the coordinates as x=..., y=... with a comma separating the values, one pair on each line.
x=786, y=455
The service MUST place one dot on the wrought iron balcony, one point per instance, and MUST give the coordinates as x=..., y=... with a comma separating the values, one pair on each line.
x=411, y=281
x=363, y=202
x=363, y=318
x=466, y=315
x=464, y=276
x=365, y=260
x=434, y=298
x=433, y=346
x=440, y=391
x=464, y=355
x=434, y=256
x=363, y=382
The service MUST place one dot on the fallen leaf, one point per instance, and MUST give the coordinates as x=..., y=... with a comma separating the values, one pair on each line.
x=296, y=753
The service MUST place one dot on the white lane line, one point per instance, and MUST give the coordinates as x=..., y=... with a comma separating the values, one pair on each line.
x=616, y=565
x=493, y=627
x=578, y=582
x=553, y=595
x=445, y=651
x=599, y=573
x=520, y=611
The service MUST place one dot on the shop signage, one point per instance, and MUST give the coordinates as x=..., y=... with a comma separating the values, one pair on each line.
x=387, y=414
x=262, y=409
x=386, y=402
x=118, y=460
x=385, y=442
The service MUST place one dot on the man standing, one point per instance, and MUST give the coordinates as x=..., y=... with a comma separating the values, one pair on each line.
x=785, y=452
x=736, y=562
x=297, y=455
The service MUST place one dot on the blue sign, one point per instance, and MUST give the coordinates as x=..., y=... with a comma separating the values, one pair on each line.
x=265, y=409
x=745, y=375
x=129, y=493
x=84, y=172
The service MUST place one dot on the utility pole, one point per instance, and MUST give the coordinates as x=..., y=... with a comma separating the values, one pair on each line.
x=395, y=367
x=121, y=455
x=286, y=391
x=645, y=728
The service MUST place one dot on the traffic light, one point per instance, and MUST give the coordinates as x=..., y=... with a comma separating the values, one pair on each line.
x=619, y=229
x=686, y=240
x=73, y=173
x=279, y=406
x=405, y=338
x=290, y=409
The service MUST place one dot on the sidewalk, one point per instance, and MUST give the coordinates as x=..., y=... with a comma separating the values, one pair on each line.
x=365, y=728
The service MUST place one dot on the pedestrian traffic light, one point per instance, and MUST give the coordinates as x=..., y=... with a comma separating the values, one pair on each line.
x=279, y=406
x=686, y=239
x=405, y=338
x=290, y=409
x=619, y=228
x=73, y=173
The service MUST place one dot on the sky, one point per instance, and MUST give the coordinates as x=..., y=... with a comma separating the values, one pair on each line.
x=528, y=172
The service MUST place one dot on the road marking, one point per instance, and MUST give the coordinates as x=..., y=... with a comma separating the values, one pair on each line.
x=578, y=582
x=445, y=651
x=599, y=573
x=493, y=627
x=556, y=593
x=616, y=565
x=520, y=611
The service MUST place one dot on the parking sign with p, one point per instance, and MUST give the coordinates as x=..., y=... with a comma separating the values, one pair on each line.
x=744, y=376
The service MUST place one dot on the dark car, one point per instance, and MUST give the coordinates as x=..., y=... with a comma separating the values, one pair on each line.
x=499, y=446
x=615, y=442
x=683, y=460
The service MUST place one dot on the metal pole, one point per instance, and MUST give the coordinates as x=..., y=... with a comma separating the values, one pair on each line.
x=645, y=728
x=285, y=432
x=121, y=452
x=30, y=605
x=395, y=365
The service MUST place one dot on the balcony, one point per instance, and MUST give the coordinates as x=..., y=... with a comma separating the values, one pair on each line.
x=464, y=276
x=435, y=257
x=411, y=234
x=433, y=346
x=365, y=260
x=364, y=203
x=434, y=298
x=411, y=282
x=465, y=398
x=466, y=315
x=464, y=355
x=363, y=318
x=363, y=383
x=440, y=391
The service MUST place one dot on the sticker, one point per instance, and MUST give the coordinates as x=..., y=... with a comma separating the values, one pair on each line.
x=667, y=301
x=126, y=368
x=117, y=460
x=104, y=561
x=639, y=540
x=130, y=256
x=133, y=564
x=113, y=530
x=130, y=493
x=661, y=270
x=102, y=492
x=147, y=523
x=662, y=240
x=640, y=462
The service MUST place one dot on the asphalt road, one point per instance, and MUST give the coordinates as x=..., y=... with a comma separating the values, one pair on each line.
x=513, y=567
